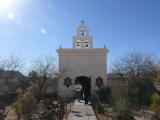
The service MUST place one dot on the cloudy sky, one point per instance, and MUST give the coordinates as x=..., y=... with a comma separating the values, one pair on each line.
x=34, y=28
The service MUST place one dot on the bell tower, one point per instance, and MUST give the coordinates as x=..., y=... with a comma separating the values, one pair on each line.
x=82, y=38
x=79, y=63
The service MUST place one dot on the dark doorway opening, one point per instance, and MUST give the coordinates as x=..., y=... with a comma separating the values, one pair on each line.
x=85, y=82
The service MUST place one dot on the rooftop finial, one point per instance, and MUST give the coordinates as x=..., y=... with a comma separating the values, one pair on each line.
x=60, y=46
x=82, y=21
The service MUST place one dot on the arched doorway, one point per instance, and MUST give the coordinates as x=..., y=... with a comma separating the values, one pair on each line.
x=85, y=82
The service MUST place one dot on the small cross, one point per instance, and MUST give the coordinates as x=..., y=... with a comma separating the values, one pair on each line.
x=82, y=21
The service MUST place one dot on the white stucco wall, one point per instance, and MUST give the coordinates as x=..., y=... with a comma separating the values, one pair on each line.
x=82, y=62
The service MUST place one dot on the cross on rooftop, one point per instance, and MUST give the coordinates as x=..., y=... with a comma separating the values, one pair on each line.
x=82, y=21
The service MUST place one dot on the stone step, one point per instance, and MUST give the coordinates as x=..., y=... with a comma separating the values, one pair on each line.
x=80, y=111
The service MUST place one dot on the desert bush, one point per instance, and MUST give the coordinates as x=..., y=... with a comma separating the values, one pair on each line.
x=104, y=95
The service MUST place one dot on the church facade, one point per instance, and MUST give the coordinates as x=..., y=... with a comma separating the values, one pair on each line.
x=82, y=63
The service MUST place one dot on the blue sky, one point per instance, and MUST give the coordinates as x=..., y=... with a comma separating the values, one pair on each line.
x=34, y=28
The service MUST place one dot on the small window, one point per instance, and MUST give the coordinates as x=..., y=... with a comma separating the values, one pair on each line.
x=67, y=82
x=82, y=32
x=87, y=44
x=99, y=82
x=78, y=45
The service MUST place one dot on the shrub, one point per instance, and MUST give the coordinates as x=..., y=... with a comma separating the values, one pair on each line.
x=100, y=109
x=155, y=102
x=125, y=115
x=140, y=91
x=104, y=95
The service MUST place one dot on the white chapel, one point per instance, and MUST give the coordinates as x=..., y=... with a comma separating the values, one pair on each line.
x=82, y=63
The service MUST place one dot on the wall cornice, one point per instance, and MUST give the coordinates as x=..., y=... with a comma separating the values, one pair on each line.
x=88, y=51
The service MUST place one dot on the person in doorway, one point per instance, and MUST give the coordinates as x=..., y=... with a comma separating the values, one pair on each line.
x=86, y=95
x=78, y=88
x=82, y=94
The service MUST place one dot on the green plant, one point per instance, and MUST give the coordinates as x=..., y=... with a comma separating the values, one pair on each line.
x=155, y=102
x=140, y=91
x=100, y=109
x=125, y=115
x=104, y=95
x=120, y=98
x=50, y=116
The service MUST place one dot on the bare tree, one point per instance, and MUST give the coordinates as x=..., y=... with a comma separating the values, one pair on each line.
x=44, y=69
x=7, y=66
x=11, y=63
x=135, y=65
